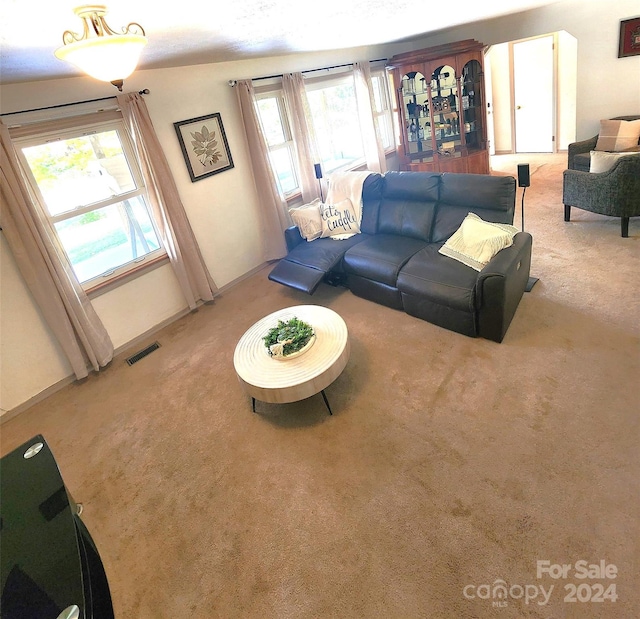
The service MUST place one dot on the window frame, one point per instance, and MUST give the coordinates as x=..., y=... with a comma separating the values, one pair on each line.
x=332, y=81
x=86, y=126
x=387, y=111
x=274, y=89
x=393, y=102
x=277, y=93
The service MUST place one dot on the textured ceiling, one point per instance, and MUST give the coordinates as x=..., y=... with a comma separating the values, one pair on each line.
x=189, y=32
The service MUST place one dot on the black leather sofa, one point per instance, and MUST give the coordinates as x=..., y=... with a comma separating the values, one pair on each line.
x=406, y=218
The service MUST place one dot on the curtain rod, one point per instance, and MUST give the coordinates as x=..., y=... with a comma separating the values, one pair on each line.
x=335, y=66
x=53, y=107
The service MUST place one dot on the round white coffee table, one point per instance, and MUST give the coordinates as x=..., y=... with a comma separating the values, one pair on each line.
x=289, y=380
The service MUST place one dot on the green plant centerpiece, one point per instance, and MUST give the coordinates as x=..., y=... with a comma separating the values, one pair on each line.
x=288, y=338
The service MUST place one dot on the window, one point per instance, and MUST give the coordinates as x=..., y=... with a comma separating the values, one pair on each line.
x=333, y=110
x=393, y=105
x=94, y=197
x=333, y=107
x=275, y=124
x=382, y=109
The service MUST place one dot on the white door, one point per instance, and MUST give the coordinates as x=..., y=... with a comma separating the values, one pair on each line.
x=533, y=95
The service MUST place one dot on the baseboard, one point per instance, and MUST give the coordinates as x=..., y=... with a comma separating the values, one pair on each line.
x=67, y=380
x=247, y=275
x=43, y=395
x=149, y=332
x=165, y=323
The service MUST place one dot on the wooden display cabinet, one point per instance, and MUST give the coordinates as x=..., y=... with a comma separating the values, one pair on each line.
x=441, y=105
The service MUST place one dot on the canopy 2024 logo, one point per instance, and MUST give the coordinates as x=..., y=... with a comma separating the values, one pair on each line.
x=582, y=570
x=500, y=592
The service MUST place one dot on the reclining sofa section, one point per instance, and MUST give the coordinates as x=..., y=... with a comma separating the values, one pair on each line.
x=406, y=218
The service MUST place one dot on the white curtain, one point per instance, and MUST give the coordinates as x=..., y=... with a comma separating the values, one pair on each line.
x=173, y=225
x=373, y=150
x=273, y=209
x=64, y=305
x=295, y=97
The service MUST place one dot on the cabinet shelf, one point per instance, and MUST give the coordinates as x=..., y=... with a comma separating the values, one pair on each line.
x=450, y=77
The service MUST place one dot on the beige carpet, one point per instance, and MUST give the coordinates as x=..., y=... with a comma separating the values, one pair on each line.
x=449, y=463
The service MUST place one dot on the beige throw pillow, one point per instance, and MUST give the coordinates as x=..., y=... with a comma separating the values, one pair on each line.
x=307, y=218
x=339, y=221
x=603, y=162
x=617, y=135
x=476, y=241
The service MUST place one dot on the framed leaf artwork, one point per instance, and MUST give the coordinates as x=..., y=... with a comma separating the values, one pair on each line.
x=204, y=146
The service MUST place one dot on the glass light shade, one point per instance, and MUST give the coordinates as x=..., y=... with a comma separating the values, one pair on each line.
x=107, y=58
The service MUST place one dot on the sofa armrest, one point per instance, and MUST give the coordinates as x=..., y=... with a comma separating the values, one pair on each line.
x=577, y=148
x=501, y=285
x=292, y=237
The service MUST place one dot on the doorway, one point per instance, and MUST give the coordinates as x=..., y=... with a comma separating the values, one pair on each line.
x=533, y=78
x=532, y=90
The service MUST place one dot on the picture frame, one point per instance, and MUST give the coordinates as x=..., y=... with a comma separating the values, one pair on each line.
x=204, y=146
x=629, y=44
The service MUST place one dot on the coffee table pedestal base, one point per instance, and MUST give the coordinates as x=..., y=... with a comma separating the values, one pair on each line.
x=324, y=396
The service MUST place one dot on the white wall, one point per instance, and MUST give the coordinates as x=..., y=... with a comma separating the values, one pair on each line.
x=567, y=88
x=223, y=208
x=31, y=359
x=596, y=25
x=501, y=87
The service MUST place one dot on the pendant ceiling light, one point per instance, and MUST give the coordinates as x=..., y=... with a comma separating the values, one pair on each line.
x=99, y=51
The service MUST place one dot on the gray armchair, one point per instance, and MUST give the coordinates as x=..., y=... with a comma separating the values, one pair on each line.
x=615, y=193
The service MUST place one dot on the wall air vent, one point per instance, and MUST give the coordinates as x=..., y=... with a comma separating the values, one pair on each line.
x=143, y=353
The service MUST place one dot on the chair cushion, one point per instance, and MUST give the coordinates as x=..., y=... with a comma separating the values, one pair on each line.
x=305, y=265
x=430, y=275
x=411, y=186
x=408, y=204
x=490, y=197
x=476, y=241
x=323, y=254
x=406, y=218
x=339, y=220
x=603, y=162
x=307, y=218
x=371, y=197
x=297, y=276
x=617, y=135
x=381, y=257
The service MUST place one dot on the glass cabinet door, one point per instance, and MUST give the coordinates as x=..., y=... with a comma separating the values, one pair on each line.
x=446, y=121
x=472, y=106
x=415, y=108
x=441, y=115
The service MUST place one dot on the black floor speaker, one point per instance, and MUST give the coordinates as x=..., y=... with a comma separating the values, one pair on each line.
x=523, y=175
